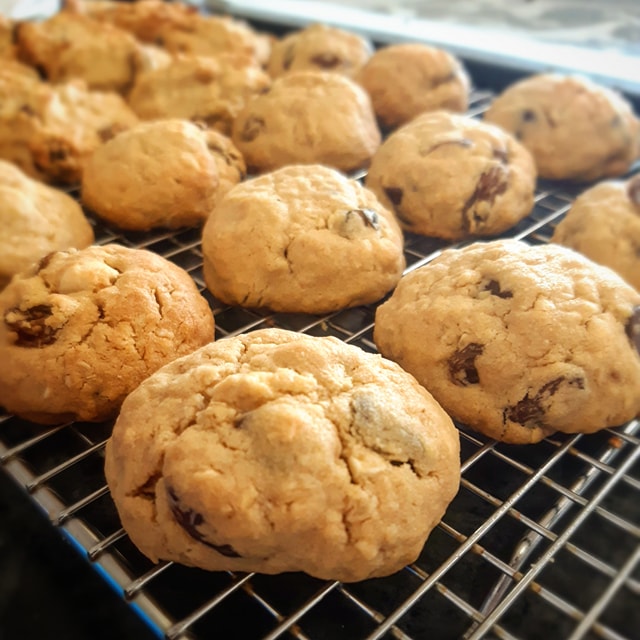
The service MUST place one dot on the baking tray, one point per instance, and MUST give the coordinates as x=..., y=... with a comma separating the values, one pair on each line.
x=541, y=541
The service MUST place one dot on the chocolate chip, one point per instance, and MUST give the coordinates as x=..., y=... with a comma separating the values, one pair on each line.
x=493, y=286
x=528, y=116
x=106, y=133
x=633, y=190
x=288, y=56
x=491, y=184
x=326, y=60
x=31, y=326
x=462, y=365
x=368, y=216
x=394, y=194
x=632, y=328
x=57, y=154
x=252, y=128
x=190, y=520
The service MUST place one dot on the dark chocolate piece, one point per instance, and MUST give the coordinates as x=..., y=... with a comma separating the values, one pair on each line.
x=31, y=326
x=462, y=365
x=326, y=60
x=493, y=286
x=632, y=328
x=394, y=194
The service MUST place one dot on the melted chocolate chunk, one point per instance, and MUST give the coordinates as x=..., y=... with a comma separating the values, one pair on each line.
x=326, y=60
x=493, y=286
x=490, y=185
x=31, y=326
x=190, y=520
x=252, y=128
x=632, y=328
x=633, y=190
x=369, y=217
x=394, y=194
x=462, y=365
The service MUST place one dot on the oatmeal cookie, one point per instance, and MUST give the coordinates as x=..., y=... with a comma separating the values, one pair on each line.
x=308, y=117
x=319, y=47
x=50, y=131
x=35, y=220
x=575, y=129
x=83, y=328
x=301, y=239
x=275, y=451
x=518, y=341
x=405, y=80
x=452, y=176
x=198, y=88
x=604, y=225
x=163, y=173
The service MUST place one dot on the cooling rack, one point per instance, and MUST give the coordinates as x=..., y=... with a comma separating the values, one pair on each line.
x=541, y=541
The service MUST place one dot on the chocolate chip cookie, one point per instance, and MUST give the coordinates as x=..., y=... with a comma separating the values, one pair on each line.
x=308, y=117
x=35, y=220
x=275, y=451
x=452, y=176
x=301, y=239
x=199, y=88
x=518, y=341
x=575, y=129
x=82, y=328
x=165, y=173
x=604, y=225
x=319, y=47
x=405, y=80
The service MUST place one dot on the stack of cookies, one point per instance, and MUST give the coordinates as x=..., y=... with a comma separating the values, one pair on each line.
x=276, y=451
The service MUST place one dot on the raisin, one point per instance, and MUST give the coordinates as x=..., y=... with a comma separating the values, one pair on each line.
x=190, y=520
x=369, y=217
x=326, y=60
x=493, y=287
x=31, y=326
x=462, y=365
x=633, y=190
x=252, y=128
x=632, y=328
x=394, y=194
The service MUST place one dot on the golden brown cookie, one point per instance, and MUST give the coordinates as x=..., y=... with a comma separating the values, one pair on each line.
x=50, y=131
x=518, y=341
x=575, y=128
x=35, y=220
x=7, y=40
x=452, y=176
x=275, y=451
x=68, y=46
x=603, y=224
x=198, y=88
x=319, y=47
x=164, y=173
x=405, y=80
x=82, y=329
x=301, y=239
x=308, y=117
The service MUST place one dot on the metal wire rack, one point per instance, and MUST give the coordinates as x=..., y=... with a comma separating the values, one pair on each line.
x=541, y=541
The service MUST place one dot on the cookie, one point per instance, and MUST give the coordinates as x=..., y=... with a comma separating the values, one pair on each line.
x=68, y=46
x=603, y=224
x=50, y=131
x=308, y=117
x=275, y=451
x=451, y=176
x=198, y=88
x=35, y=220
x=163, y=173
x=83, y=328
x=7, y=39
x=301, y=239
x=576, y=129
x=518, y=341
x=406, y=80
x=319, y=47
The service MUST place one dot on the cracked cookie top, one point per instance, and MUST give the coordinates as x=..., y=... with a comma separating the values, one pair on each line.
x=275, y=451
x=518, y=341
x=575, y=128
x=304, y=238
x=405, y=80
x=83, y=328
x=451, y=176
x=35, y=220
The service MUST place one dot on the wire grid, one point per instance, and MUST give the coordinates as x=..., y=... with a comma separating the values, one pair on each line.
x=541, y=540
